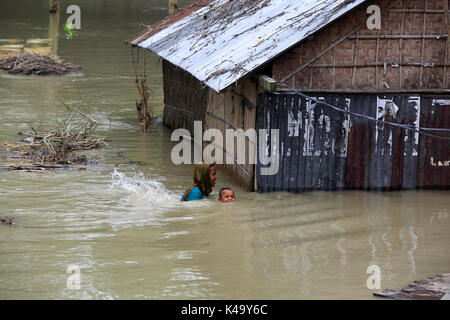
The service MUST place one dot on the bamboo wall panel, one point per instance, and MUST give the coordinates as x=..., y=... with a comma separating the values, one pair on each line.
x=185, y=98
x=235, y=109
x=409, y=52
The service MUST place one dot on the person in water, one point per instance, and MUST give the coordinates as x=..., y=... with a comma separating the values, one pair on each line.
x=226, y=195
x=204, y=181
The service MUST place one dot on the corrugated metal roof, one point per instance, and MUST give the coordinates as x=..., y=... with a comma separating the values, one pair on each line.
x=219, y=42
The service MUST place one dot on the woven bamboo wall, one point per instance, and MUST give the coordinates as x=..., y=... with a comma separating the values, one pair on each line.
x=184, y=98
x=410, y=53
x=235, y=109
x=186, y=101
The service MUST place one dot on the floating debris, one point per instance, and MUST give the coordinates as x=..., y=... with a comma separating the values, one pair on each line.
x=58, y=148
x=7, y=221
x=36, y=64
x=432, y=288
x=36, y=167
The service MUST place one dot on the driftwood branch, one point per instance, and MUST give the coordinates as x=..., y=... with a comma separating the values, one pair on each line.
x=28, y=64
x=54, y=149
x=7, y=220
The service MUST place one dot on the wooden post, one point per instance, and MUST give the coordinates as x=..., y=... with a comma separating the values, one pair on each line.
x=447, y=18
x=172, y=6
x=53, y=29
x=267, y=83
x=447, y=43
x=53, y=6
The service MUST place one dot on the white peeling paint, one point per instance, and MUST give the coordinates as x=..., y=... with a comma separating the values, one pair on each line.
x=345, y=127
x=385, y=106
x=415, y=147
x=225, y=40
x=308, y=147
x=268, y=135
x=439, y=163
x=294, y=124
x=441, y=102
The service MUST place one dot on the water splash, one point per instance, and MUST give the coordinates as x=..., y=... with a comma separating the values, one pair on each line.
x=144, y=192
x=151, y=195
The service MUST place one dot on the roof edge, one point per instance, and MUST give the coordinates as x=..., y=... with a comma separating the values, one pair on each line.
x=169, y=20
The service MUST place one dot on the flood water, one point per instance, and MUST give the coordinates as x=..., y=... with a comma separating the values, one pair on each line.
x=122, y=223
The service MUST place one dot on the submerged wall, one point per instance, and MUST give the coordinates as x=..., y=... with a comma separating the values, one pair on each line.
x=323, y=149
x=235, y=109
x=185, y=98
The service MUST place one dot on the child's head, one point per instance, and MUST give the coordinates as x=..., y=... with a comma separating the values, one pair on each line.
x=226, y=195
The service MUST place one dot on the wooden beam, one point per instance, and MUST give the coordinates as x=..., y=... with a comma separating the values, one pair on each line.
x=381, y=64
x=53, y=6
x=428, y=11
x=401, y=48
x=398, y=36
x=333, y=45
x=447, y=18
x=355, y=58
x=447, y=24
x=53, y=30
x=247, y=102
x=423, y=43
x=366, y=91
x=172, y=6
x=267, y=83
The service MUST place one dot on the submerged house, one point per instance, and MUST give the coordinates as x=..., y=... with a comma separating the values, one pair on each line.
x=265, y=64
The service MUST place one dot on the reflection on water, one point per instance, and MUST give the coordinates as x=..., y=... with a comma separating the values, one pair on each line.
x=121, y=220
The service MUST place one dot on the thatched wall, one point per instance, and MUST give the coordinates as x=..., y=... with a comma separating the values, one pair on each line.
x=235, y=109
x=185, y=98
x=410, y=53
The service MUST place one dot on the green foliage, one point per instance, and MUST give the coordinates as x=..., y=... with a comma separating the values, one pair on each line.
x=70, y=33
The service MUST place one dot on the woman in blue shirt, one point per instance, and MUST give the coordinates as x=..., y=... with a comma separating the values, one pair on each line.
x=204, y=181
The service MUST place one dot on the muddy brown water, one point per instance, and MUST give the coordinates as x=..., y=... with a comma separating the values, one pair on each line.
x=124, y=227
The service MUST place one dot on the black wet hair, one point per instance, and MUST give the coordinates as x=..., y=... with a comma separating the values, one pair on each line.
x=224, y=189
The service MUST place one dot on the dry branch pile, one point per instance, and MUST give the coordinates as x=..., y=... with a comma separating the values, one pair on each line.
x=36, y=64
x=57, y=148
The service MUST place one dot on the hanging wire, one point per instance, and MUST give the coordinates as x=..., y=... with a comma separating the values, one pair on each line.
x=399, y=125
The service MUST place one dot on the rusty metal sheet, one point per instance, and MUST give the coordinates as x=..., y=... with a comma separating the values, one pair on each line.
x=435, y=154
x=323, y=149
x=221, y=41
